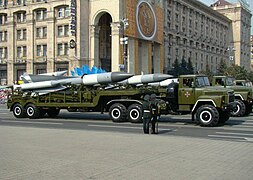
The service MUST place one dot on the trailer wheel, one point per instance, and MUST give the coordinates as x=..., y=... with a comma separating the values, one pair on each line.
x=53, y=112
x=134, y=113
x=32, y=111
x=207, y=115
x=19, y=111
x=239, y=109
x=118, y=112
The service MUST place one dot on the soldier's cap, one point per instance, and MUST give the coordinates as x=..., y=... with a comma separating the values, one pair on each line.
x=146, y=97
x=153, y=96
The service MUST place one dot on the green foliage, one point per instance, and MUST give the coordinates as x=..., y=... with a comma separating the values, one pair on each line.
x=176, y=68
x=237, y=72
x=190, y=69
x=183, y=67
x=222, y=67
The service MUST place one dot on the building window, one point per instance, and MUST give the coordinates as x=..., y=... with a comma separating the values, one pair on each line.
x=41, y=71
x=41, y=14
x=41, y=50
x=21, y=34
x=3, y=18
x=62, y=49
x=63, y=30
x=3, y=36
x=63, y=12
x=3, y=53
x=21, y=51
x=41, y=32
x=21, y=17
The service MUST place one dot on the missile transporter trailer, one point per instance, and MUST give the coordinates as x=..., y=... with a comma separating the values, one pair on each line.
x=210, y=105
x=243, y=95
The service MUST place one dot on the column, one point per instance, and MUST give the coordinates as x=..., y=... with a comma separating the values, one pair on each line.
x=94, y=46
x=30, y=44
x=11, y=51
x=115, y=47
x=51, y=42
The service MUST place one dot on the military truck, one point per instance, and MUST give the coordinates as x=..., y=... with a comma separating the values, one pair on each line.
x=192, y=94
x=243, y=95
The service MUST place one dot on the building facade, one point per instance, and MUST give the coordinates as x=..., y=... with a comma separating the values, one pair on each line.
x=38, y=36
x=195, y=32
x=240, y=15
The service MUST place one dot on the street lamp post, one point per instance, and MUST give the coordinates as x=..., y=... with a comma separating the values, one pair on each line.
x=124, y=41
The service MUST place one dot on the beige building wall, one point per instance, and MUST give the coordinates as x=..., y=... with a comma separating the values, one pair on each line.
x=241, y=24
x=196, y=32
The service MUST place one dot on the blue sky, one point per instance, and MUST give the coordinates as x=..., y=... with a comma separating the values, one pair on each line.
x=208, y=2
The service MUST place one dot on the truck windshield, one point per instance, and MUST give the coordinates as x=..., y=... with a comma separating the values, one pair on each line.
x=202, y=81
x=230, y=82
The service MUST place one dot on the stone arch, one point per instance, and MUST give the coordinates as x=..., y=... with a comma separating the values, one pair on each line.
x=101, y=40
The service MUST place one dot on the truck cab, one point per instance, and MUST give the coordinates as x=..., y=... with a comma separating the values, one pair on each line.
x=243, y=94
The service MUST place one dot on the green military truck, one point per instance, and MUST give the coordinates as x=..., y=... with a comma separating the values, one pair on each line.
x=243, y=95
x=193, y=94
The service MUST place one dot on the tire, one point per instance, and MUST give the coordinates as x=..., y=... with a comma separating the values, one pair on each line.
x=32, y=111
x=239, y=109
x=224, y=116
x=134, y=113
x=207, y=115
x=53, y=112
x=19, y=111
x=248, y=109
x=118, y=112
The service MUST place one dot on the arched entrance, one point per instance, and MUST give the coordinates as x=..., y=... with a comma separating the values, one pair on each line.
x=105, y=42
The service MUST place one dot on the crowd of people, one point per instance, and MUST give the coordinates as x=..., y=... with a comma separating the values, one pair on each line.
x=3, y=95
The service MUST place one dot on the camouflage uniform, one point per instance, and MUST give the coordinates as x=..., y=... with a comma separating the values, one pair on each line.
x=146, y=114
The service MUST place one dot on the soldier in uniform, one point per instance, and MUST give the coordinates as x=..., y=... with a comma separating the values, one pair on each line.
x=146, y=114
x=155, y=113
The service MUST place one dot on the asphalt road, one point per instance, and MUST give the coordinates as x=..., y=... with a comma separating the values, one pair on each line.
x=235, y=129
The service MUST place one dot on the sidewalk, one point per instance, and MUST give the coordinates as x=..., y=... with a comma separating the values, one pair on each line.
x=34, y=153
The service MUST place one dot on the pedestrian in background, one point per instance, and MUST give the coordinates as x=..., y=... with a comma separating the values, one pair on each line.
x=146, y=106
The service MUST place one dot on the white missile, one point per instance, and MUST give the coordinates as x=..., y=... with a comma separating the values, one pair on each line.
x=146, y=78
x=164, y=82
x=57, y=73
x=53, y=81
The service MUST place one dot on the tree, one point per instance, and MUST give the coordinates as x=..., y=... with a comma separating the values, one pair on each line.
x=222, y=67
x=190, y=69
x=183, y=66
x=176, y=68
x=237, y=72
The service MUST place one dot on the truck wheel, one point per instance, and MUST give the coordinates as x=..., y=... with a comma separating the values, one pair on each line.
x=19, y=111
x=239, y=109
x=118, y=112
x=53, y=112
x=134, y=113
x=207, y=115
x=248, y=109
x=32, y=111
x=224, y=116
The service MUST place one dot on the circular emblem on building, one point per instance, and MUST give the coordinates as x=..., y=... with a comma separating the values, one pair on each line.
x=146, y=20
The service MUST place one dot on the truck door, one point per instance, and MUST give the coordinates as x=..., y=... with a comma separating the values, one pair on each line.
x=186, y=93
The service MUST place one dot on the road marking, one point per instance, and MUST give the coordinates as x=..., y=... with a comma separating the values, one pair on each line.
x=233, y=137
x=122, y=127
x=243, y=134
x=29, y=122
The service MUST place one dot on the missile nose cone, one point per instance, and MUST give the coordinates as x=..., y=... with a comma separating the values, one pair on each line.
x=160, y=77
x=120, y=76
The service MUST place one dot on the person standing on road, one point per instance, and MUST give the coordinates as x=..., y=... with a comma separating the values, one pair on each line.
x=146, y=106
x=154, y=110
